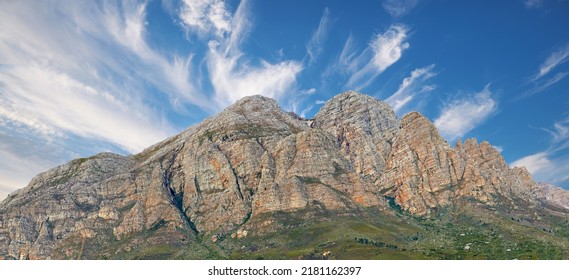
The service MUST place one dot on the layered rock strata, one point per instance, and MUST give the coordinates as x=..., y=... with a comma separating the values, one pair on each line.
x=254, y=159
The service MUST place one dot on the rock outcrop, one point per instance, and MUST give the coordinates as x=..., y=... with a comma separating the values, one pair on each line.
x=424, y=172
x=250, y=160
x=552, y=196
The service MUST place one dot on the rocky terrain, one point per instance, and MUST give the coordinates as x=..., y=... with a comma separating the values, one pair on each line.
x=254, y=179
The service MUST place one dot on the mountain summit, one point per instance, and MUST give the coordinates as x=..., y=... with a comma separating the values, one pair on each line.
x=255, y=170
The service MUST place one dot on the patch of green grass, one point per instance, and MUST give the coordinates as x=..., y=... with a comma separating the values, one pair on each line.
x=313, y=233
x=400, y=236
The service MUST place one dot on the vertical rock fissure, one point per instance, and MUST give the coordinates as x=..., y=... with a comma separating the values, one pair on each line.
x=238, y=186
x=197, y=188
x=239, y=193
x=176, y=198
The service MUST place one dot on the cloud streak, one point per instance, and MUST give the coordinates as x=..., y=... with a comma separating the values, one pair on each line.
x=383, y=50
x=461, y=116
x=542, y=86
x=80, y=78
x=552, y=164
x=314, y=47
x=232, y=75
x=206, y=17
x=61, y=79
x=556, y=58
x=411, y=87
x=90, y=71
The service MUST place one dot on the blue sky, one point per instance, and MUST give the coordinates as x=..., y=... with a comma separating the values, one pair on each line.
x=82, y=77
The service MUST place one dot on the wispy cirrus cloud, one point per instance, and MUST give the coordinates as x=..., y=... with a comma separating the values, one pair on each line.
x=383, y=50
x=348, y=60
x=88, y=70
x=556, y=58
x=411, y=87
x=560, y=133
x=458, y=117
x=83, y=71
x=543, y=85
x=539, y=81
x=61, y=72
x=231, y=73
x=206, y=17
x=315, y=45
x=552, y=164
x=398, y=8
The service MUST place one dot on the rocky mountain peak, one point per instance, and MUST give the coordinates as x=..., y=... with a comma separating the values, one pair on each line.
x=252, y=161
x=418, y=128
x=356, y=109
x=254, y=103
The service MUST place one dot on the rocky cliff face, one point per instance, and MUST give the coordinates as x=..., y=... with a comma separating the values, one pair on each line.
x=552, y=196
x=254, y=159
x=425, y=172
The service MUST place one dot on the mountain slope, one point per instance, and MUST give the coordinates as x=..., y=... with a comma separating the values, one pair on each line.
x=255, y=170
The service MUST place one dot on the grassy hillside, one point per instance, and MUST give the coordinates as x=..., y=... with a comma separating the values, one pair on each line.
x=470, y=234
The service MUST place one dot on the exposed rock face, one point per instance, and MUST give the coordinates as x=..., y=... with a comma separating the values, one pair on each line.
x=252, y=159
x=552, y=196
x=424, y=172
x=364, y=128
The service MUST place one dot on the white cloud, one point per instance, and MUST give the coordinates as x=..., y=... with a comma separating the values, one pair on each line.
x=389, y=46
x=305, y=111
x=232, y=79
x=232, y=74
x=206, y=17
x=500, y=149
x=383, y=51
x=555, y=59
x=349, y=60
x=545, y=85
x=545, y=167
x=79, y=70
x=55, y=103
x=170, y=74
x=560, y=133
x=309, y=91
x=552, y=164
x=411, y=87
x=314, y=47
x=88, y=70
x=461, y=116
x=558, y=57
x=534, y=163
x=81, y=78
x=397, y=8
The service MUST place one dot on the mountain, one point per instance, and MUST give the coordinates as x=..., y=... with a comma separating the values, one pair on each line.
x=257, y=182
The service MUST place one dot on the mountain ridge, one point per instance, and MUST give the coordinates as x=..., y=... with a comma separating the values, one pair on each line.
x=236, y=172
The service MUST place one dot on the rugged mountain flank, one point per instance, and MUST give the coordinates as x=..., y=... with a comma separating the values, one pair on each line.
x=232, y=174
